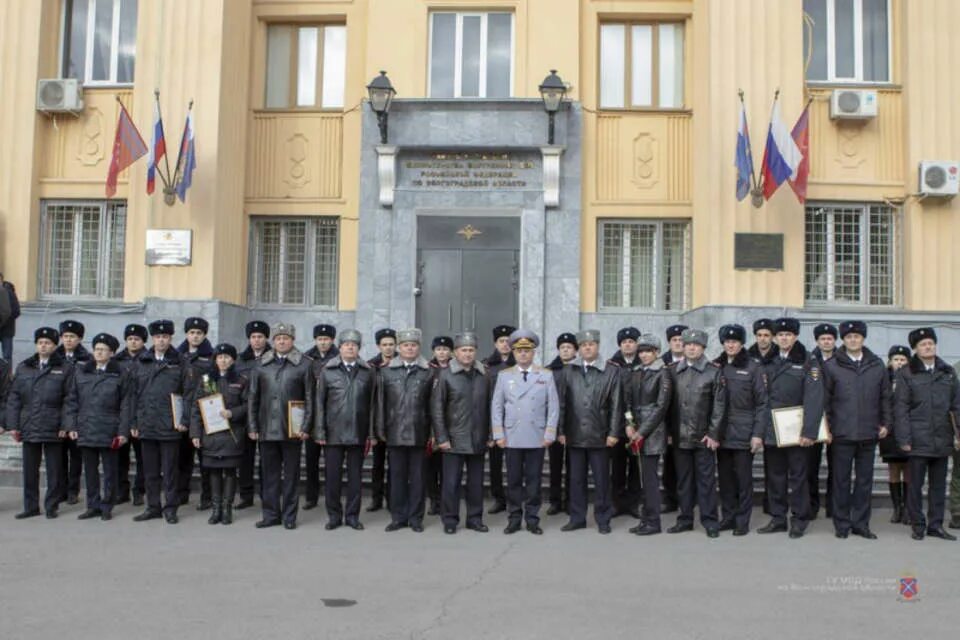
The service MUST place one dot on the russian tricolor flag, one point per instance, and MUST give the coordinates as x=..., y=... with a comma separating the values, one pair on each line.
x=781, y=157
x=158, y=146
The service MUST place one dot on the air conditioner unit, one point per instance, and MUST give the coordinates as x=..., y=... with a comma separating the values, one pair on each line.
x=939, y=178
x=853, y=104
x=60, y=95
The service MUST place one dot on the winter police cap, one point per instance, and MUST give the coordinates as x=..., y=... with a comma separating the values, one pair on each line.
x=898, y=350
x=72, y=326
x=923, y=333
x=648, y=341
x=442, y=341
x=676, y=330
x=324, y=330
x=284, y=329
x=763, y=324
x=627, y=333
x=106, y=339
x=465, y=339
x=588, y=335
x=384, y=333
x=48, y=333
x=566, y=338
x=695, y=336
x=733, y=332
x=351, y=335
x=225, y=349
x=258, y=326
x=161, y=327
x=409, y=335
x=137, y=330
x=853, y=326
x=824, y=329
x=524, y=339
x=502, y=331
x=195, y=323
x=786, y=325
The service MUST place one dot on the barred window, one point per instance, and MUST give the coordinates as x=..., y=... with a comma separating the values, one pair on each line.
x=100, y=41
x=644, y=264
x=851, y=254
x=82, y=255
x=294, y=261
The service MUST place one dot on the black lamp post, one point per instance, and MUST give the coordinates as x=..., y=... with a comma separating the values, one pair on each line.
x=552, y=90
x=381, y=94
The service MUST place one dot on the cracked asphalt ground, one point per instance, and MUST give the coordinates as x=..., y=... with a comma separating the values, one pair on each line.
x=120, y=579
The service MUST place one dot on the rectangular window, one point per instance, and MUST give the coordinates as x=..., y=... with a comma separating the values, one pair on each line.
x=306, y=66
x=471, y=55
x=644, y=264
x=99, y=41
x=851, y=254
x=641, y=65
x=850, y=40
x=82, y=255
x=294, y=261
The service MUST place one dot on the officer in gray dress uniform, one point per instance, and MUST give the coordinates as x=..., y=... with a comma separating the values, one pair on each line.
x=524, y=414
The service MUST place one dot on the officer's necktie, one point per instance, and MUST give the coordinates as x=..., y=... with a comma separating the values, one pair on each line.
x=524, y=375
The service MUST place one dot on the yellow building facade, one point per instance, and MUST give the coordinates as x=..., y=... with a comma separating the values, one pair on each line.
x=299, y=211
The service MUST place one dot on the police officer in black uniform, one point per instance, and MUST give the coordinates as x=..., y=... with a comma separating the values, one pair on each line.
x=559, y=482
x=442, y=348
x=500, y=359
x=672, y=356
x=825, y=335
x=625, y=491
x=386, y=340
x=135, y=338
x=73, y=352
x=258, y=343
x=322, y=351
x=197, y=354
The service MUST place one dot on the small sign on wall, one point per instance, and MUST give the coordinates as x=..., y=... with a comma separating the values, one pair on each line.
x=169, y=247
x=758, y=251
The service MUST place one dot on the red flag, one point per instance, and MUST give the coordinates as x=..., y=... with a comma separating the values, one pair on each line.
x=128, y=146
x=801, y=136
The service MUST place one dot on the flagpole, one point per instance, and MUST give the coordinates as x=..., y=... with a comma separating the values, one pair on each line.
x=166, y=156
x=758, y=193
x=183, y=137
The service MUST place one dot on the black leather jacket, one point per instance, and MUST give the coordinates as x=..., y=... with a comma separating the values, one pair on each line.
x=699, y=402
x=343, y=408
x=460, y=408
x=591, y=404
x=403, y=404
x=276, y=383
x=647, y=395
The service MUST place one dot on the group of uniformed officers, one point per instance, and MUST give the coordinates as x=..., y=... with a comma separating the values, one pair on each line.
x=615, y=420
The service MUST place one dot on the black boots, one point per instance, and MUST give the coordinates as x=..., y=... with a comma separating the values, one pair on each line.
x=216, y=491
x=229, y=490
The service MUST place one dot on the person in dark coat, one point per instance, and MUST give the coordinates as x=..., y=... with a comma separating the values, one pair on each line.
x=500, y=359
x=591, y=423
x=35, y=417
x=559, y=481
x=73, y=352
x=403, y=423
x=160, y=382
x=460, y=420
x=283, y=381
x=625, y=493
x=343, y=424
x=671, y=357
x=135, y=338
x=5, y=377
x=762, y=350
x=386, y=340
x=794, y=379
x=222, y=450
x=697, y=411
x=197, y=355
x=8, y=329
x=322, y=352
x=927, y=405
x=98, y=420
x=744, y=425
x=896, y=459
x=647, y=393
x=442, y=348
x=825, y=335
x=859, y=407
x=258, y=336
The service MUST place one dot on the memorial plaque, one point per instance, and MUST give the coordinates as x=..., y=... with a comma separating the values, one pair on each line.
x=169, y=247
x=758, y=251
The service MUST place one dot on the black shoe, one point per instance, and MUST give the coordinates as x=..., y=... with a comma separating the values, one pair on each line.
x=307, y=506
x=554, y=509
x=171, y=518
x=726, y=525
x=215, y=517
x=263, y=524
x=479, y=528
x=226, y=517
x=571, y=526
x=917, y=534
x=647, y=530
x=204, y=505
x=713, y=533
x=106, y=515
x=450, y=529
x=23, y=515
x=865, y=533
x=416, y=528
x=376, y=505
x=954, y=523
x=843, y=535
x=356, y=526
x=680, y=528
x=773, y=527
x=73, y=499
x=88, y=514
x=635, y=529
x=147, y=515
x=941, y=533
x=796, y=533
x=741, y=531
x=246, y=503
x=668, y=507
x=290, y=525
x=330, y=526
x=53, y=513
x=395, y=526
x=604, y=529
x=535, y=529
x=498, y=507
x=137, y=500
x=512, y=527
